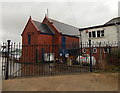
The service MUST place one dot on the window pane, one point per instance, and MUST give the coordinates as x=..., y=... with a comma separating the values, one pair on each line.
x=94, y=50
x=98, y=33
x=102, y=33
x=89, y=34
x=93, y=34
x=29, y=39
x=106, y=50
x=84, y=50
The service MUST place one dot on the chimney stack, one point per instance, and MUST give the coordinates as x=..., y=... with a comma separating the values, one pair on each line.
x=47, y=13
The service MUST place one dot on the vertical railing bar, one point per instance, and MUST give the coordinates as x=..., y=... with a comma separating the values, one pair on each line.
x=19, y=59
x=16, y=50
x=27, y=68
x=25, y=53
x=90, y=55
x=7, y=65
x=11, y=60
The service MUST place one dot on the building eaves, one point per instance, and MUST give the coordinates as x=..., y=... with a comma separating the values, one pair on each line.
x=99, y=26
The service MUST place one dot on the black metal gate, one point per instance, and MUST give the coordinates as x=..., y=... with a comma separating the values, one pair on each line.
x=37, y=60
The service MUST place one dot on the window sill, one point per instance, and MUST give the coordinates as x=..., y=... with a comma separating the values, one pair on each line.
x=96, y=37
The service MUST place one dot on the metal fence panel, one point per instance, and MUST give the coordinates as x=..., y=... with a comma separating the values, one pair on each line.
x=36, y=60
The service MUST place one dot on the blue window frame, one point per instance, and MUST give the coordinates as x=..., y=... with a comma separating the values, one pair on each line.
x=63, y=42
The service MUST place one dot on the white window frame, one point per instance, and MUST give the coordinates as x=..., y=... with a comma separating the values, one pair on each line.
x=95, y=50
x=97, y=33
x=102, y=33
x=84, y=50
x=90, y=34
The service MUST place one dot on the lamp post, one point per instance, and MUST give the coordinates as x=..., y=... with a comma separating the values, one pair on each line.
x=80, y=40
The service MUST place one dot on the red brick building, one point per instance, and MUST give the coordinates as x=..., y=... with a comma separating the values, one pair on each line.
x=49, y=32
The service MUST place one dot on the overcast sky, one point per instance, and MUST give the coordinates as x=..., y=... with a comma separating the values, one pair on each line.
x=78, y=14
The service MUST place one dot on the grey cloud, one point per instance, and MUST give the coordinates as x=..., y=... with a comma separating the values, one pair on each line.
x=79, y=14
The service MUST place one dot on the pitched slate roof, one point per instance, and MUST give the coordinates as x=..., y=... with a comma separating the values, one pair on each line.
x=109, y=23
x=114, y=20
x=43, y=27
x=65, y=28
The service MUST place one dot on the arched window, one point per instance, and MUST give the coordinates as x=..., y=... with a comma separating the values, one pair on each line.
x=94, y=50
x=29, y=39
x=84, y=50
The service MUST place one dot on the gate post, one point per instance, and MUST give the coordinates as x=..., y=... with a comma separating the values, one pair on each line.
x=81, y=48
x=90, y=55
x=7, y=63
x=100, y=51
